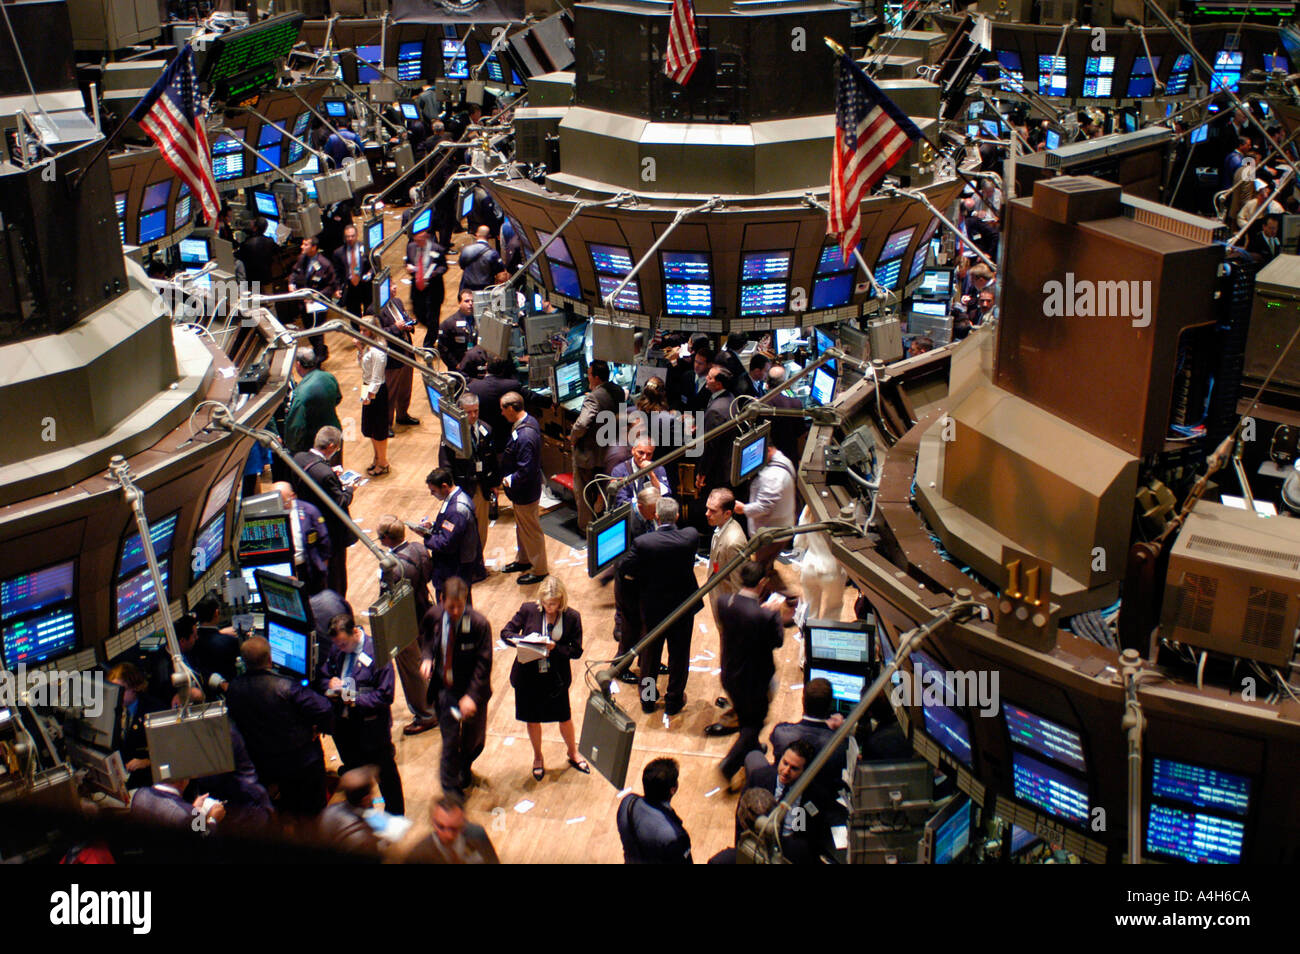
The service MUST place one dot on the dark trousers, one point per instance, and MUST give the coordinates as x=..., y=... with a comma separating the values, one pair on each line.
x=300, y=792
x=750, y=714
x=337, y=575
x=354, y=754
x=767, y=557
x=414, y=686
x=399, y=379
x=309, y=321
x=678, y=639
x=357, y=300
x=426, y=307
x=462, y=742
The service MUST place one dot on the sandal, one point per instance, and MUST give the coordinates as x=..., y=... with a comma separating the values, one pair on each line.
x=581, y=765
x=374, y=471
x=539, y=772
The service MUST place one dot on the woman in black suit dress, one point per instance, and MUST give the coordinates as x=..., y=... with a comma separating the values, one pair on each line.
x=542, y=686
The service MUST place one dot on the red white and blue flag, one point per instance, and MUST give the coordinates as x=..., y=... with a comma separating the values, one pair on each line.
x=683, y=51
x=172, y=114
x=871, y=135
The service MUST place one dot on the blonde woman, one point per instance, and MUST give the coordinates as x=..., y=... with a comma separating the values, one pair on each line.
x=374, y=398
x=550, y=625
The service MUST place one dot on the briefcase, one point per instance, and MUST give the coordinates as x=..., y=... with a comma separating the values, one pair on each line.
x=606, y=741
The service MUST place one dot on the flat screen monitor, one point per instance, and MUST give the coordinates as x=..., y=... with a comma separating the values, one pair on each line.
x=219, y=495
x=290, y=648
x=156, y=195
x=420, y=223
x=575, y=340
x=832, y=291
x=570, y=380
x=410, y=62
x=1200, y=787
x=136, y=597
x=383, y=290
x=931, y=309
x=184, y=207
x=764, y=266
x=822, y=342
x=39, y=636
x=1052, y=139
x=249, y=574
x=209, y=542
x=455, y=429
x=449, y=31
x=268, y=158
x=918, y=260
x=951, y=730
x=787, y=340
x=951, y=830
x=374, y=234
x=888, y=274
x=1051, y=739
x=491, y=65
x=435, y=398
x=629, y=299
x=1177, y=82
x=195, y=251
x=266, y=204
x=1053, y=75
x=1274, y=62
x=846, y=643
x=565, y=278
x=300, y=130
x=936, y=283
x=1052, y=789
x=311, y=167
x=613, y=260
x=265, y=540
x=688, y=298
x=1227, y=70
x=227, y=159
x=161, y=533
x=1010, y=69
x=1194, y=836
x=153, y=226
x=37, y=590
x=608, y=538
x=557, y=249
x=749, y=453
x=1098, y=73
x=466, y=203
x=1141, y=79
x=832, y=260
x=335, y=108
x=823, y=386
x=283, y=597
x=455, y=65
x=1200, y=134
x=685, y=266
x=763, y=298
x=368, y=57
x=895, y=245
x=410, y=111
x=846, y=688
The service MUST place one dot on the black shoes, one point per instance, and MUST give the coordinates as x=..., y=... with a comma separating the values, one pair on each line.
x=416, y=726
x=528, y=579
x=516, y=567
x=717, y=728
x=629, y=677
x=408, y=421
x=673, y=708
x=647, y=707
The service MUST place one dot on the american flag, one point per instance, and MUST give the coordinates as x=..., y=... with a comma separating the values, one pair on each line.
x=683, y=45
x=173, y=117
x=871, y=135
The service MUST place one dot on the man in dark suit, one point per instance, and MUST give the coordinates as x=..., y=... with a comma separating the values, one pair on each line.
x=729, y=358
x=164, y=804
x=416, y=568
x=325, y=605
x=521, y=476
x=313, y=270
x=818, y=724
x=499, y=381
x=362, y=690
x=627, y=606
x=216, y=650
x=313, y=405
x=715, y=466
x=455, y=840
x=398, y=375
x=786, y=431
x=316, y=463
x=602, y=399
x=311, y=538
x=749, y=634
x=457, y=646
x=687, y=378
x=258, y=255
x=1265, y=245
x=352, y=268
x=452, y=536
x=280, y=719
x=343, y=824
x=476, y=475
x=457, y=331
x=650, y=830
x=480, y=264
x=426, y=263
x=660, y=570
x=802, y=829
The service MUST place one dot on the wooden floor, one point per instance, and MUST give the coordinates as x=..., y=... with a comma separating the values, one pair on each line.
x=567, y=817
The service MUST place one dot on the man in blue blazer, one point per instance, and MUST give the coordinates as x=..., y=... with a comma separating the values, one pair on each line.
x=521, y=476
x=361, y=688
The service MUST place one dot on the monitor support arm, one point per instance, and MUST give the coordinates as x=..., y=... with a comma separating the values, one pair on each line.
x=1130, y=664
x=857, y=254
x=578, y=208
x=678, y=219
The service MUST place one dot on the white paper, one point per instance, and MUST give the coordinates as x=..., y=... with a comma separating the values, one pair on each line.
x=840, y=834
x=524, y=806
x=798, y=688
x=698, y=669
x=575, y=821
x=508, y=740
x=712, y=793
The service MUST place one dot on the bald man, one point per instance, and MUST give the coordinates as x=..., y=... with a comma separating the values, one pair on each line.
x=311, y=538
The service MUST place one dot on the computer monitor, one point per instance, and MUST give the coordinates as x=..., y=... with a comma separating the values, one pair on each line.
x=1098, y=75
x=265, y=540
x=39, y=636
x=1178, y=74
x=763, y=298
x=466, y=203
x=788, y=340
x=335, y=108
x=823, y=386
x=290, y=648
x=879, y=784
x=1045, y=737
x=455, y=429
x=1049, y=788
x=36, y=590
x=832, y=291
x=208, y=544
x=608, y=538
x=421, y=221
x=935, y=283
x=161, y=533
x=895, y=245
x=565, y=280
x=249, y=573
x=410, y=62
x=184, y=207
x=950, y=729
x=575, y=340
x=1227, y=70
x=764, y=266
x=410, y=111
x=195, y=251
x=369, y=56
x=284, y=598
x=822, y=342
x=1141, y=80
x=1196, y=837
x=153, y=226
x=888, y=274
x=1053, y=139
x=1200, y=134
x=838, y=644
x=435, y=398
x=570, y=379
x=136, y=596
x=374, y=235
x=227, y=158
x=931, y=309
x=690, y=267
x=383, y=290
x=629, y=299
x=694, y=298
x=300, y=124
x=1200, y=786
x=846, y=688
x=455, y=64
x=749, y=453
x=947, y=834
x=311, y=167
x=266, y=204
x=1053, y=75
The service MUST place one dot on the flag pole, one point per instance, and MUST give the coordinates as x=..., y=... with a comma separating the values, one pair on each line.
x=840, y=51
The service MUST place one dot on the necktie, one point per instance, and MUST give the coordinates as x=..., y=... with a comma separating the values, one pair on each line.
x=446, y=664
x=424, y=267
x=356, y=264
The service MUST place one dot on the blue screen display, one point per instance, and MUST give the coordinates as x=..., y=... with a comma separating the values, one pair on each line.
x=954, y=835
x=35, y=638
x=612, y=259
x=685, y=266
x=369, y=59
x=266, y=204
x=767, y=298
x=455, y=65
x=435, y=399
x=1045, y=737
x=288, y=647
x=182, y=215
x=611, y=542
x=36, y=590
x=950, y=730
x=752, y=457
x=410, y=59
x=1053, y=75
x=566, y=280
x=629, y=299
x=1051, y=789
x=832, y=291
x=1178, y=74
x=762, y=266
x=136, y=597
x=888, y=274
x=688, y=299
x=845, y=688
x=895, y=245
x=210, y=540
x=153, y=226
x=832, y=261
x=451, y=432
x=268, y=158
x=227, y=159
x=1200, y=787
x=375, y=234
x=421, y=222
x=160, y=534
x=823, y=386
x=1192, y=836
